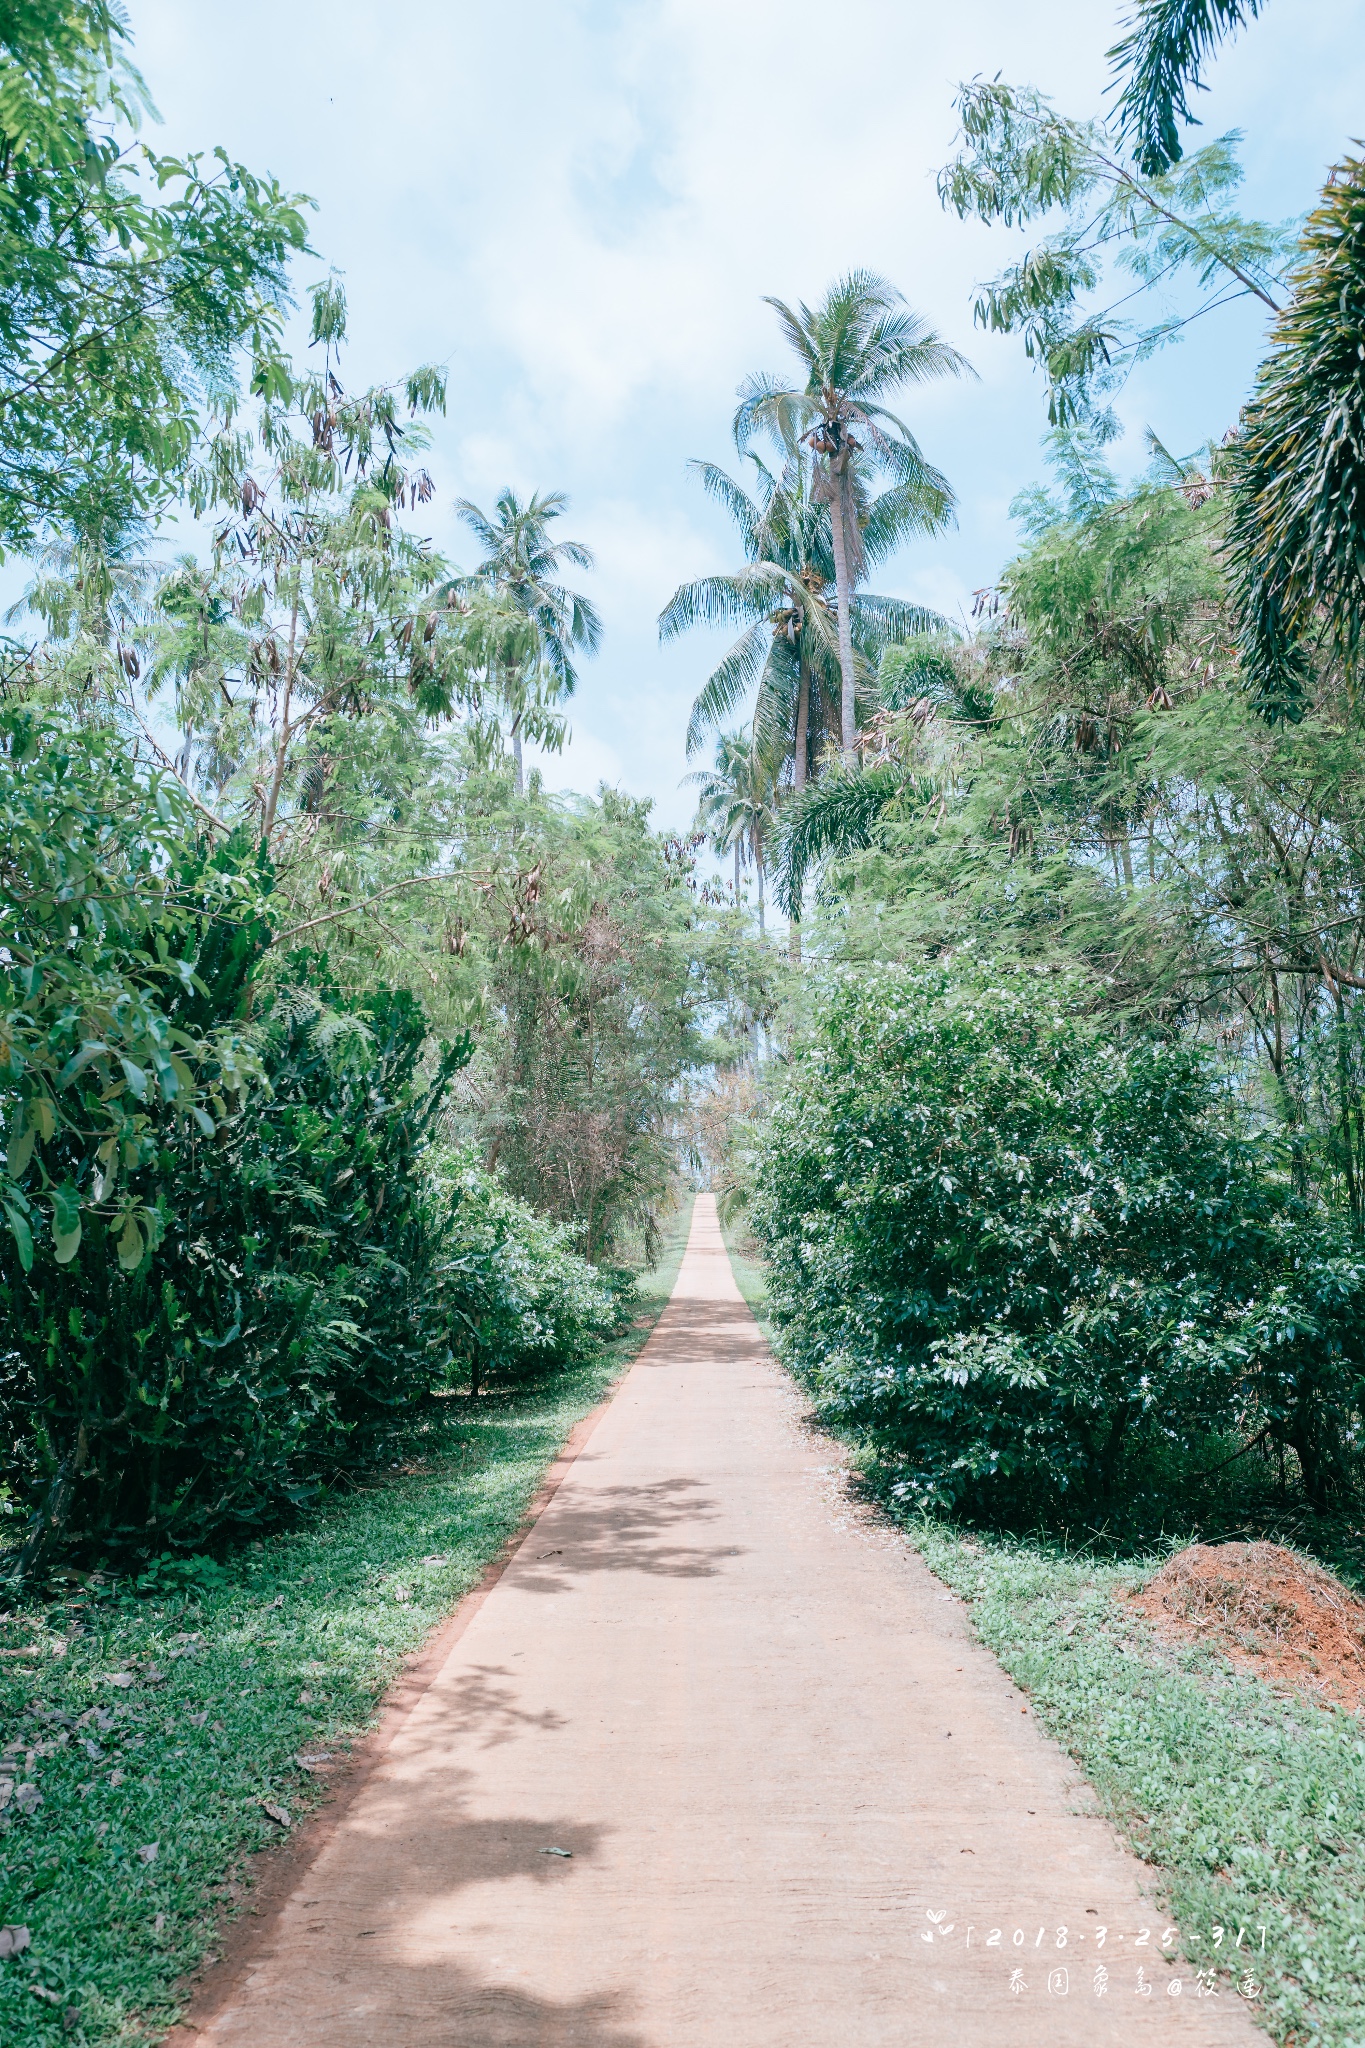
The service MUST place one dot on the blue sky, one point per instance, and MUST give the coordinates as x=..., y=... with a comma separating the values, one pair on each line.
x=578, y=204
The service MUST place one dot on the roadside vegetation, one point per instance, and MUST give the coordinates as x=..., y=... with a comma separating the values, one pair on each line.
x=172, y=1722
x=1052, y=1197
x=349, y=1079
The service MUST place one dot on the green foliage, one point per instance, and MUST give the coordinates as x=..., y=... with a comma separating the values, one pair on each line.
x=1019, y=1252
x=782, y=599
x=130, y=281
x=276, y=1321
x=531, y=665
x=828, y=821
x=860, y=344
x=508, y=1289
x=736, y=805
x=1159, y=60
x=1021, y=161
x=1297, y=526
x=320, y=636
x=1123, y=808
x=601, y=979
x=235, y=1258
x=105, y=1040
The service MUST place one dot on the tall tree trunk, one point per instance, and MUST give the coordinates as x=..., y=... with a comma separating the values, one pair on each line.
x=516, y=752
x=802, y=731
x=799, y=763
x=758, y=865
x=838, y=478
x=736, y=874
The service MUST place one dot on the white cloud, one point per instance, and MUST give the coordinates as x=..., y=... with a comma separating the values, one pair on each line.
x=580, y=203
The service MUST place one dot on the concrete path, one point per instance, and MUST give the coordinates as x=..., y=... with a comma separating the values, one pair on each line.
x=803, y=1808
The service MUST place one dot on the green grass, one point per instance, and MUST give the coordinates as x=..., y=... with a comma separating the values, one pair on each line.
x=283, y=1649
x=1250, y=1805
x=746, y=1262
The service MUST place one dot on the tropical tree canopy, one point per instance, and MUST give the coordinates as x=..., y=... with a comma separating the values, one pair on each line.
x=1021, y=161
x=736, y=804
x=859, y=345
x=129, y=282
x=782, y=599
x=520, y=564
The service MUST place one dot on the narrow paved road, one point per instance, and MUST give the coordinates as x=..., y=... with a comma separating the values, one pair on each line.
x=803, y=1808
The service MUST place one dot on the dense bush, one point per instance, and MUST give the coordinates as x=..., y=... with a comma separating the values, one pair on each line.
x=235, y=1258
x=511, y=1296
x=1012, y=1245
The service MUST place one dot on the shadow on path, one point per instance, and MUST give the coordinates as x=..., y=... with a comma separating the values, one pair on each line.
x=623, y=1529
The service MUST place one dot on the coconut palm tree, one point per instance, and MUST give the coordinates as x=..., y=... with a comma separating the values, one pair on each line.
x=736, y=805
x=520, y=565
x=858, y=345
x=782, y=599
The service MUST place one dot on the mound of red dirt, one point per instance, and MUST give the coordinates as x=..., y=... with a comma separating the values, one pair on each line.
x=1266, y=1610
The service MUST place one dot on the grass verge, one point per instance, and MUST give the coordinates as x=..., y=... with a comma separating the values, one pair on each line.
x=157, y=1724
x=1250, y=1804
x=746, y=1263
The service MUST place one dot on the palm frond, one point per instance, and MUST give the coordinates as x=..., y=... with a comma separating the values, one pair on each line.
x=736, y=600
x=728, y=682
x=1159, y=61
x=832, y=818
x=722, y=487
x=921, y=501
x=880, y=622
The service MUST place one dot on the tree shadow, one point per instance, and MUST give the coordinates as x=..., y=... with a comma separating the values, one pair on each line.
x=385, y=1959
x=688, y=1326
x=484, y=1703
x=621, y=1529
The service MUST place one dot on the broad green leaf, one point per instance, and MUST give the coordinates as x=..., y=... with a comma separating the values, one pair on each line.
x=66, y=1243
x=23, y=1236
x=130, y=1245
x=20, y=1152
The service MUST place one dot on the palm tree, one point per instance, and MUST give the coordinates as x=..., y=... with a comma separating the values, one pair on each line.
x=1159, y=60
x=736, y=805
x=856, y=346
x=781, y=599
x=519, y=566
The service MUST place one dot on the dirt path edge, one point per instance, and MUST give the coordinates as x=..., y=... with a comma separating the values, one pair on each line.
x=275, y=1871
